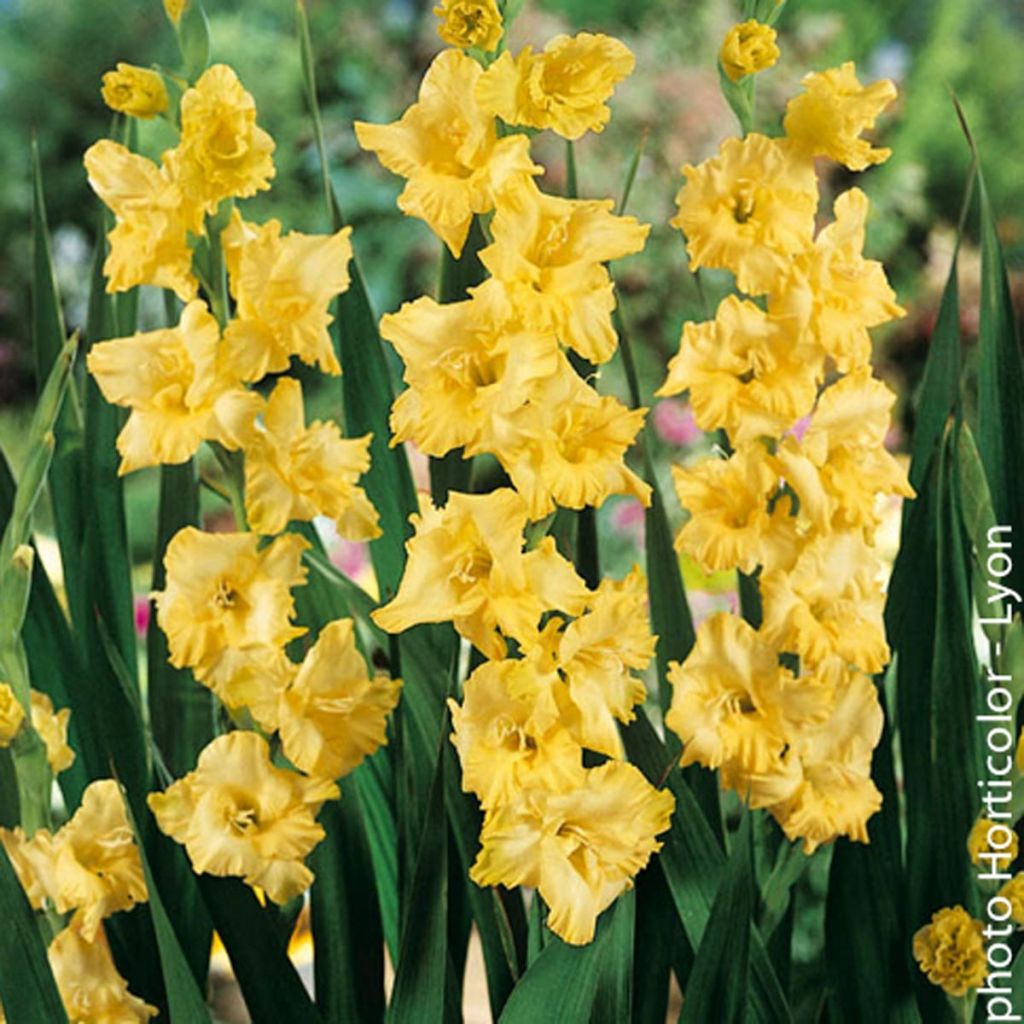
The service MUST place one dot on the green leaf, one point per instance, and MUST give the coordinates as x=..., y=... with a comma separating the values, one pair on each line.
x=717, y=987
x=194, y=39
x=614, y=1002
x=28, y=992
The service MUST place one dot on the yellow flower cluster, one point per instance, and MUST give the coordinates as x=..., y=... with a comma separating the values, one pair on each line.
x=90, y=868
x=227, y=613
x=951, y=951
x=50, y=725
x=558, y=679
x=787, y=712
x=491, y=373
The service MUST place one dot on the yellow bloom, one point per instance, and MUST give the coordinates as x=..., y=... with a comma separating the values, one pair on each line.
x=297, y=472
x=746, y=372
x=979, y=842
x=730, y=524
x=334, y=713
x=748, y=48
x=470, y=23
x=97, y=869
x=748, y=210
x=580, y=847
x=828, y=603
x=827, y=118
x=180, y=388
x=12, y=714
x=149, y=241
x=1013, y=892
x=136, y=91
x=52, y=727
x=448, y=149
x=509, y=734
x=567, y=446
x=251, y=677
x=239, y=815
x=224, y=592
x=831, y=294
x=598, y=653
x=835, y=795
x=223, y=152
x=33, y=861
x=469, y=366
x=951, y=951
x=550, y=252
x=282, y=288
x=90, y=987
x=563, y=88
x=175, y=9
x=466, y=565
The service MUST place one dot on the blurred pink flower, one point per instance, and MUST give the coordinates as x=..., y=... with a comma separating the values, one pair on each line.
x=349, y=557
x=627, y=519
x=800, y=427
x=673, y=422
x=141, y=615
x=704, y=603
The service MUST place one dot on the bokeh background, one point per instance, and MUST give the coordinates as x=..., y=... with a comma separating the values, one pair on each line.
x=371, y=55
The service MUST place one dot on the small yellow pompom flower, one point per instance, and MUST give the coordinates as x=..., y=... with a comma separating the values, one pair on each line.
x=470, y=23
x=180, y=387
x=223, y=152
x=297, y=472
x=97, y=870
x=52, y=727
x=90, y=987
x=980, y=841
x=334, y=713
x=951, y=951
x=447, y=147
x=149, y=241
x=282, y=286
x=828, y=117
x=549, y=254
x=174, y=9
x=748, y=210
x=240, y=815
x=1013, y=892
x=466, y=564
x=12, y=714
x=580, y=847
x=224, y=593
x=748, y=48
x=136, y=91
x=564, y=88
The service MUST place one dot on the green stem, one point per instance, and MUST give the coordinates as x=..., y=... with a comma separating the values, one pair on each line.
x=571, y=183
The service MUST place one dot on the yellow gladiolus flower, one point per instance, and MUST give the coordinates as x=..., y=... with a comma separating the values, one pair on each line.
x=1013, y=892
x=549, y=253
x=748, y=210
x=835, y=795
x=297, y=472
x=251, y=677
x=951, y=951
x=746, y=372
x=52, y=727
x=748, y=48
x=980, y=841
x=509, y=734
x=832, y=294
x=149, y=241
x=180, y=388
x=222, y=152
x=97, y=870
x=448, y=149
x=135, y=91
x=731, y=525
x=828, y=603
x=334, y=713
x=580, y=847
x=239, y=815
x=33, y=862
x=174, y=9
x=90, y=987
x=12, y=714
x=283, y=287
x=470, y=23
x=827, y=118
x=564, y=88
x=466, y=565
x=567, y=446
x=225, y=593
